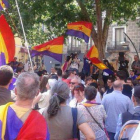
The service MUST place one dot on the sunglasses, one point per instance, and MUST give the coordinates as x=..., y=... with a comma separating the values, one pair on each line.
x=72, y=83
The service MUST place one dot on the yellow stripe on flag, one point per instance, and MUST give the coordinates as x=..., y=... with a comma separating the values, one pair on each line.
x=80, y=28
x=3, y=48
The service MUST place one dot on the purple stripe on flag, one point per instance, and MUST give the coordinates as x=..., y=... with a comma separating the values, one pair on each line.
x=78, y=34
x=56, y=56
x=1, y=8
x=6, y=3
x=0, y=128
x=108, y=71
x=2, y=59
x=13, y=125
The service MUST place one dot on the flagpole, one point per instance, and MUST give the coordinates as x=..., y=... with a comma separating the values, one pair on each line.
x=26, y=43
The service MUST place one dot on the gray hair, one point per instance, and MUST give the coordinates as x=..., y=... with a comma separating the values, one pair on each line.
x=59, y=94
x=27, y=85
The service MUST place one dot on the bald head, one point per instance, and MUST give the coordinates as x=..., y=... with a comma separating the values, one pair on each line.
x=118, y=85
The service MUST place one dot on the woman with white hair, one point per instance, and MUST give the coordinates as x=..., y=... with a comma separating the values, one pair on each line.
x=59, y=116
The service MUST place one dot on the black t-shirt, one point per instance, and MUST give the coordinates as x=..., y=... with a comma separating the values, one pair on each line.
x=127, y=90
x=123, y=64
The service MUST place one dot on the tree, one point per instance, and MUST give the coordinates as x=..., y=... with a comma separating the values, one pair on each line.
x=55, y=14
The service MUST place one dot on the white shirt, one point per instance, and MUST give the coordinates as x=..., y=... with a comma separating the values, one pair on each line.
x=44, y=100
x=98, y=97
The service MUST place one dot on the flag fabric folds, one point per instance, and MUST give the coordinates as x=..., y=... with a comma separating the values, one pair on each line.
x=93, y=52
x=93, y=55
x=80, y=29
x=7, y=42
x=12, y=127
x=98, y=63
x=4, y=4
x=53, y=48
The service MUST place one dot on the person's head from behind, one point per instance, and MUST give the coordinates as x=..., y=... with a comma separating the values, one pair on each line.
x=40, y=74
x=27, y=86
x=82, y=76
x=78, y=92
x=117, y=85
x=110, y=82
x=43, y=83
x=65, y=75
x=136, y=58
x=135, y=82
x=68, y=58
x=90, y=93
x=19, y=71
x=15, y=58
x=121, y=75
x=59, y=95
x=136, y=96
x=71, y=73
x=6, y=75
x=129, y=81
x=59, y=72
x=94, y=85
x=75, y=81
x=53, y=76
x=88, y=81
x=51, y=83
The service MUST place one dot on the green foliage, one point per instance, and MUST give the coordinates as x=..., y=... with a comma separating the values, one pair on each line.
x=55, y=14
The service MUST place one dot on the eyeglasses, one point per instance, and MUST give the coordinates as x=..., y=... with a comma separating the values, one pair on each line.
x=72, y=83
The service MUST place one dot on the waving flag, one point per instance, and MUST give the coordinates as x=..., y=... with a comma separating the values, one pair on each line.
x=98, y=63
x=81, y=29
x=53, y=48
x=13, y=127
x=7, y=42
x=93, y=52
x=4, y=4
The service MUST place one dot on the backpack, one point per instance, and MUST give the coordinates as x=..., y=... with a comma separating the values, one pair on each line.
x=130, y=123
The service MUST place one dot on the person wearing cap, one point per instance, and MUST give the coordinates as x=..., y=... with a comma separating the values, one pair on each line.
x=124, y=117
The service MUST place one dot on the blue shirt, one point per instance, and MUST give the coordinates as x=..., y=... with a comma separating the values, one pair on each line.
x=115, y=103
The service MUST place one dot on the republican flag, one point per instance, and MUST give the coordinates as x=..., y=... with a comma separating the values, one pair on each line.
x=3, y=4
x=53, y=48
x=81, y=29
x=93, y=52
x=7, y=42
x=98, y=63
x=14, y=127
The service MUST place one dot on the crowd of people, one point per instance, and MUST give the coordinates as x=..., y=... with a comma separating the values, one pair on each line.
x=69, y=102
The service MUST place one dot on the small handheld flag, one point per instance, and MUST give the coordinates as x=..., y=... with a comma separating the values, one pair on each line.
x=81, y=29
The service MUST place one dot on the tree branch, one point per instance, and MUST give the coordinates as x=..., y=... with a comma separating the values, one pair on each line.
x=99, y=18
x=85, y=13
x=106, y=25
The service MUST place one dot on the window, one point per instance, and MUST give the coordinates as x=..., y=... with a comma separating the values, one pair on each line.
x=119, y=36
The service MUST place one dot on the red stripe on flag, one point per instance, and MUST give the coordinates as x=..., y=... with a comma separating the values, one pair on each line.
x=8, y=37
x=56, y=41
